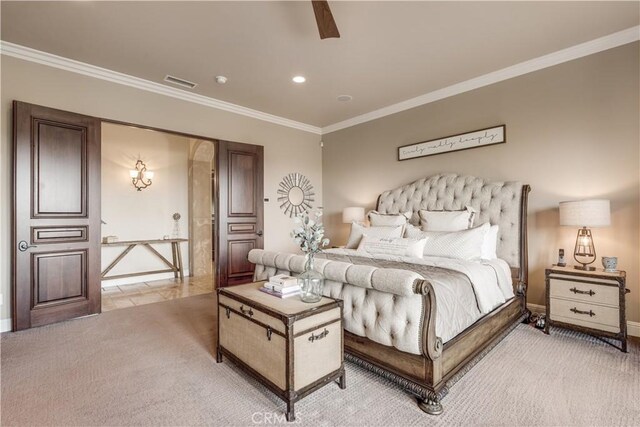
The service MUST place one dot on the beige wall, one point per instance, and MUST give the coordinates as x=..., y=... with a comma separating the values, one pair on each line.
x=572, y=132
x=286, y=150
x=146, y=214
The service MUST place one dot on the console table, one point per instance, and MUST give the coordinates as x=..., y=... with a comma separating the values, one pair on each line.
x=175, y=266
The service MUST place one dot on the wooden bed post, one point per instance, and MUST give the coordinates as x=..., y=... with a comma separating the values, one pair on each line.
x=523, y=276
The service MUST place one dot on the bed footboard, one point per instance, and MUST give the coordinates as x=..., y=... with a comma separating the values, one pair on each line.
x=388, y=306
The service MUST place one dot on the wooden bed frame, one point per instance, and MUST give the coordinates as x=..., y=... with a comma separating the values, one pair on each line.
x=430, y=375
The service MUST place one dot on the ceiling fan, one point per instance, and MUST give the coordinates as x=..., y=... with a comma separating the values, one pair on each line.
x=324, y=18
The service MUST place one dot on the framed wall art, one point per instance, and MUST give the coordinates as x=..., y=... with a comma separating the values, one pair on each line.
x=463, y=141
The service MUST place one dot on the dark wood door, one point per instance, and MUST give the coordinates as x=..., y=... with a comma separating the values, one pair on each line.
x=240, y=184
x=56, y=215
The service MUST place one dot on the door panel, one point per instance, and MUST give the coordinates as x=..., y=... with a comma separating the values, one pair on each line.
x=238, y=262
x=59, y=234
x=242, y=201
x=56, y=221
x=58, y=276
x=59, y=181
x=240, y=211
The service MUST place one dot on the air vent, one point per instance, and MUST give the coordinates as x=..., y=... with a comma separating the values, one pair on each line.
x=180, y=82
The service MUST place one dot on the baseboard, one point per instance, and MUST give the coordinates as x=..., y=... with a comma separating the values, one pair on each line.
x=5, y=325
x=535, y=308
x=633, y=328
x=138, y=279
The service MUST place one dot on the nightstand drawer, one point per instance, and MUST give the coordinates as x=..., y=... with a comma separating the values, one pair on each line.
x=584, y=292
x=590, y=301
x=586, y=315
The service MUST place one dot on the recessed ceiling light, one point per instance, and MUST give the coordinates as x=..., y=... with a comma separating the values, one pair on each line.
x=345, y=98
x=299, y=79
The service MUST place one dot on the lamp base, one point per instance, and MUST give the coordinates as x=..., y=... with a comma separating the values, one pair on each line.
x=584, y=268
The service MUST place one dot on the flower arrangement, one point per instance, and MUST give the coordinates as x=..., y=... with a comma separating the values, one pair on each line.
x=309, y=233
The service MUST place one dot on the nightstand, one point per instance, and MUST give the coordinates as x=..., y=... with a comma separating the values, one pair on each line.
x=592, y=302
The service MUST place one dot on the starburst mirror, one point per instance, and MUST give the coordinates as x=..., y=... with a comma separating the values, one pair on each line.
x=295, y=194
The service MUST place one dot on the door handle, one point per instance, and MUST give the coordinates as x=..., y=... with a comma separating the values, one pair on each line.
x=23, y=246
x=259, y=232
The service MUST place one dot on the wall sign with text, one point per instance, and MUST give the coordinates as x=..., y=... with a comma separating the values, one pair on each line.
x=463, y=141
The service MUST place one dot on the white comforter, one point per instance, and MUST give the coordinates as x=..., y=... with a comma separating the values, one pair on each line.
x=457, y=309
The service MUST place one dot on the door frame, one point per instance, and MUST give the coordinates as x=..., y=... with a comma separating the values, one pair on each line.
x=214, y=141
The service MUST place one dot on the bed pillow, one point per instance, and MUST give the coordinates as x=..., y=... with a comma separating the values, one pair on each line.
x=378, y=219
x=465, y=244
x=397, y=246
x=447, y=220
x=358, y=230
x=490, y=243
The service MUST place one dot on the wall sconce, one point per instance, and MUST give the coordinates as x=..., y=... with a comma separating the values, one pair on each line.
x=140, y=176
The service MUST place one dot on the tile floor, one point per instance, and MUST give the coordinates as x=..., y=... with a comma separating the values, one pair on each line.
x=114, y=297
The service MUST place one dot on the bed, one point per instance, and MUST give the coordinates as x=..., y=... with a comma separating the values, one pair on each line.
x=412, y=321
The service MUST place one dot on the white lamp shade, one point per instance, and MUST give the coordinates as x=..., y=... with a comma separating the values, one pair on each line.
x=352, y=214
x=585, y=213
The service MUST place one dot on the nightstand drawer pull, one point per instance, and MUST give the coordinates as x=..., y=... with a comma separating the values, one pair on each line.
x=590, y=312
x=578, y=291
x=321, y=335
x=246, y=311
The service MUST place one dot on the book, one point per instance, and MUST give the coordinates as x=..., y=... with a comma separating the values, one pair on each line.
x=284, y=280
x=282, y=289
x=278, y=294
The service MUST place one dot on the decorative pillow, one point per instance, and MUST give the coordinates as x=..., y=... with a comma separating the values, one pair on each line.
x=357, y=231
x=388, y=220
x=447, y=220
x=465, y=244
x=398, y=246
x=490, y=243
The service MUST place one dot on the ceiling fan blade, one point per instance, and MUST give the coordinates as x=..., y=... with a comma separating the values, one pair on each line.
x=324, y=18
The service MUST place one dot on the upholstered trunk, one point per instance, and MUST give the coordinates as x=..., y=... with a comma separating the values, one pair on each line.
x=292, y=347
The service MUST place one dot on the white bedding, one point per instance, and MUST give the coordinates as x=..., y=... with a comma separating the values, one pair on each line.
x=458, y=307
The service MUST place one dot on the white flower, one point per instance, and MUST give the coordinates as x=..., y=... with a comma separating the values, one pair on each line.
x=310, y=234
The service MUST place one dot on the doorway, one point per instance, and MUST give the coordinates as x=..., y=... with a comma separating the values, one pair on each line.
x=160, y=209
x=57, y=229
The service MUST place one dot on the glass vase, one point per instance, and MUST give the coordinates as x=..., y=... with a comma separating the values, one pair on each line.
x=310, y=281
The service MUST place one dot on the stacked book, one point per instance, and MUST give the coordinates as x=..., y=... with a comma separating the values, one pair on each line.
x=281, y=286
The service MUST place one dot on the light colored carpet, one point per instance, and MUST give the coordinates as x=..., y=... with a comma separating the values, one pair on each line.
x=154, y=365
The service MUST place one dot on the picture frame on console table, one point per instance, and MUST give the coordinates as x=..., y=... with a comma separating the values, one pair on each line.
x=463, y=141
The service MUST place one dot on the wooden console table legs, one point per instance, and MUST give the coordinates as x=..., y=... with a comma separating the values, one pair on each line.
x=177, y=260
x=176, y=255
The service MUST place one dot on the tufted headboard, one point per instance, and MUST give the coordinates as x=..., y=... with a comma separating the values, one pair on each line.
x=501, y=203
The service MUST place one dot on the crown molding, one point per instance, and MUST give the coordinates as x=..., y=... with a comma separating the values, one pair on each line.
x=611, y=41
x=44, y=58
x=620, y=38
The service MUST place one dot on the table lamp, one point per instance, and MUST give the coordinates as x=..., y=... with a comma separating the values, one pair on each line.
x=352, y=214
x=585, y=213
